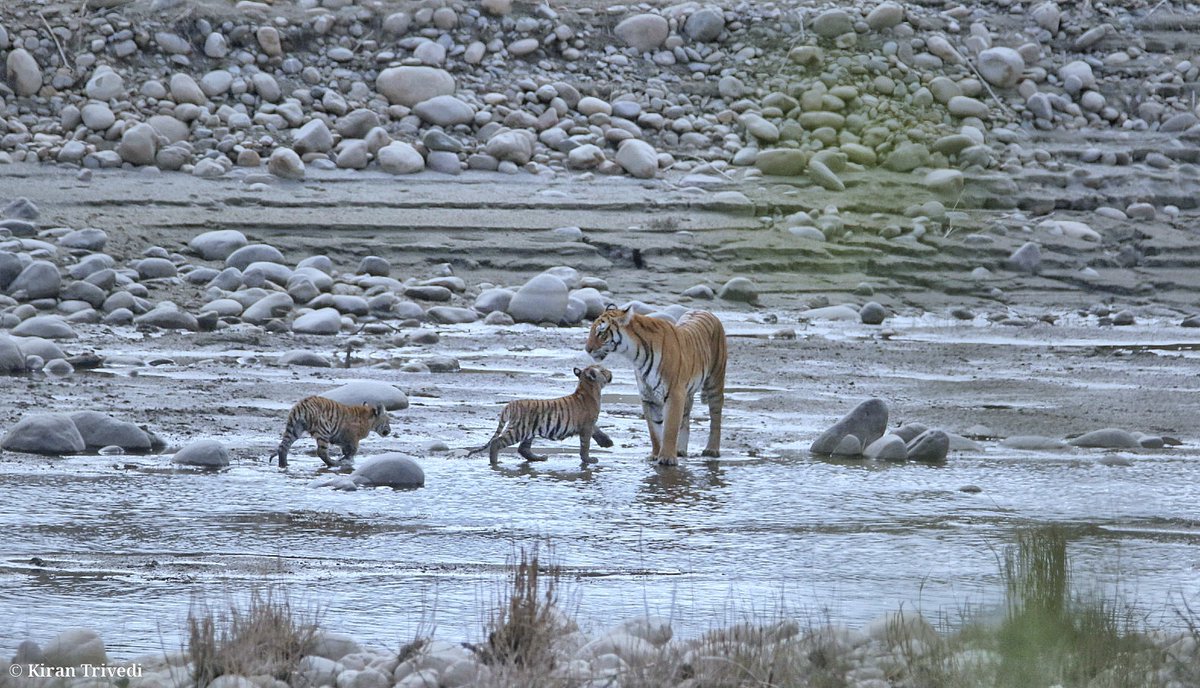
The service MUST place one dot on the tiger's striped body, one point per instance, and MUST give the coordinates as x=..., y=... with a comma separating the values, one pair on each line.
x=331, y=422
x=555, y=419
x=673, y=361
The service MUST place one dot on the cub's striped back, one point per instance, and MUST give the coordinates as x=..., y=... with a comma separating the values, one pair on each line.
x=331, y=422
x=575, y=414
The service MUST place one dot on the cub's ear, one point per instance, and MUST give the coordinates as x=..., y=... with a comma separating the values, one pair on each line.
x=611, y=307
x=627, y=315
x=578, y=372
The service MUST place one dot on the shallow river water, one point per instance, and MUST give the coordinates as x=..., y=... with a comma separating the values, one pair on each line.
x=126, y=545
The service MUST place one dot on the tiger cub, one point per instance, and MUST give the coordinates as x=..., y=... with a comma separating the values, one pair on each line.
x=331, y=422
x=555, y=419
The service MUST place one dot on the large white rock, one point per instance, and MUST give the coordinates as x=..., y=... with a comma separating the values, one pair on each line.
x=643, y=32
x=138, y=144
x=247, y=255
x=369, y=392
x=410, y=85
x=541, y=299
x=1001, y=66
x=276, y=305
x=866, y=423
x=509, y=144
x=105, y=84
x=12, y=361
x=23, y=72
x=389, y=470
x=400, y=158
x=286, y=164
x=313, y=137
x=44, y=433
x=638, y=158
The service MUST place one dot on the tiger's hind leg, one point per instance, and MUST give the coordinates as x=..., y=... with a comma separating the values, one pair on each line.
x=291, y=433
x=349, y=449
x=715, y=398
x=323, y=451
x=685, y=429
x=525, y=449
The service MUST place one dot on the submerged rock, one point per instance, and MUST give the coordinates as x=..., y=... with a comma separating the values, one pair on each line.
x=206, y=453
x=389, y=470
x=44, y=433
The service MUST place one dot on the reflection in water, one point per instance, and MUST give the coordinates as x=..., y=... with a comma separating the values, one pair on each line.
x=539, y=470
x=683, y=485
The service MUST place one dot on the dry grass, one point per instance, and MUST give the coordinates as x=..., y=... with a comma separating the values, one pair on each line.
x=266, y=637
x=523, y=628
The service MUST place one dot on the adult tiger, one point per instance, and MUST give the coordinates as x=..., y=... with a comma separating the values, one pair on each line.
x=331, y=422
x=575, y=414
x=673, y=362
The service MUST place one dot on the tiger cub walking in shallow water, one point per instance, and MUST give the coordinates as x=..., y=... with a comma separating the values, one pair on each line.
x=331, y=422
x=555, y=419
x=673, y=361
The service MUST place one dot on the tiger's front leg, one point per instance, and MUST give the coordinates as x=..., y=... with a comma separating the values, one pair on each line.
x=585, y=444
x=602, y=439
x=668, y=454
x=653, y=412
x=349, y=449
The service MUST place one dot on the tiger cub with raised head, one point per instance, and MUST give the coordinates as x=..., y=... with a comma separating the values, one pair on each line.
x=673, y=361
x=575, y=414
x=331, y=422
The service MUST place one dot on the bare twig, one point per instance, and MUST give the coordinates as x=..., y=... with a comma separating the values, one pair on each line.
x=62, y=53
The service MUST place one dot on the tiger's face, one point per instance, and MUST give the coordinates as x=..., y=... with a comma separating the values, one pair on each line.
x=596, y=373
x=606, y=334
x=380, y=422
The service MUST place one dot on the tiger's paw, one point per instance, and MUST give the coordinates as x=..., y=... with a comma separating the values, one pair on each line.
x=711, y=453
x=536, y=457
x=668, y=461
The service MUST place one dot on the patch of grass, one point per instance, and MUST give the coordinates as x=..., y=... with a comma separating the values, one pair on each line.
x=523, y=628
x=266, y=637
x=666, y=223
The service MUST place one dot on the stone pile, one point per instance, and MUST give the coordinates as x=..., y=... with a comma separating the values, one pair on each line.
x=787, y=89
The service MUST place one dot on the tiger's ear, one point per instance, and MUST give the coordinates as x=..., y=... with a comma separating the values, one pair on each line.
x=578, y=372
x=627, y=315
x=611, y=307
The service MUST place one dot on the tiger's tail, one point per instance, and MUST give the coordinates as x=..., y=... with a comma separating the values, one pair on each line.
x=499, y=431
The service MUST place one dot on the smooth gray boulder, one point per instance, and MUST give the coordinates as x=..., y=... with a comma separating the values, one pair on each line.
x=1026, y=259
x=1032, y=443
x=38, y=280
x=38, y=346
x=739, y=289
x=155, y=268
x=276, y=305
x=45, y=326
x=218, y=244
x=389, y=470
x=167, y=316
x=101, y=430
x=887, y=448
x=205, y=453
x=491, y=300
x=10, y=267
x=872, y=313
x=867, y=422
x=302, y=358
x=44, y=433
x=369, y=392
x=930, y=446
x=1107, y=438
x=322, y=321
x=449, y=315
x=86, y=239
x=12, y=361
x=541, y=299
x=243, y=257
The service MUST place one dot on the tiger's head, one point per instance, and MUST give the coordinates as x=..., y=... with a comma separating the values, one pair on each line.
x=380, y=422
x=606, y=335
x=597, y=374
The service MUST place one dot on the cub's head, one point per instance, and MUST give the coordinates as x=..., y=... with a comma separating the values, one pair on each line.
x=380, y=422
x=607, y=333
x=596, y=374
